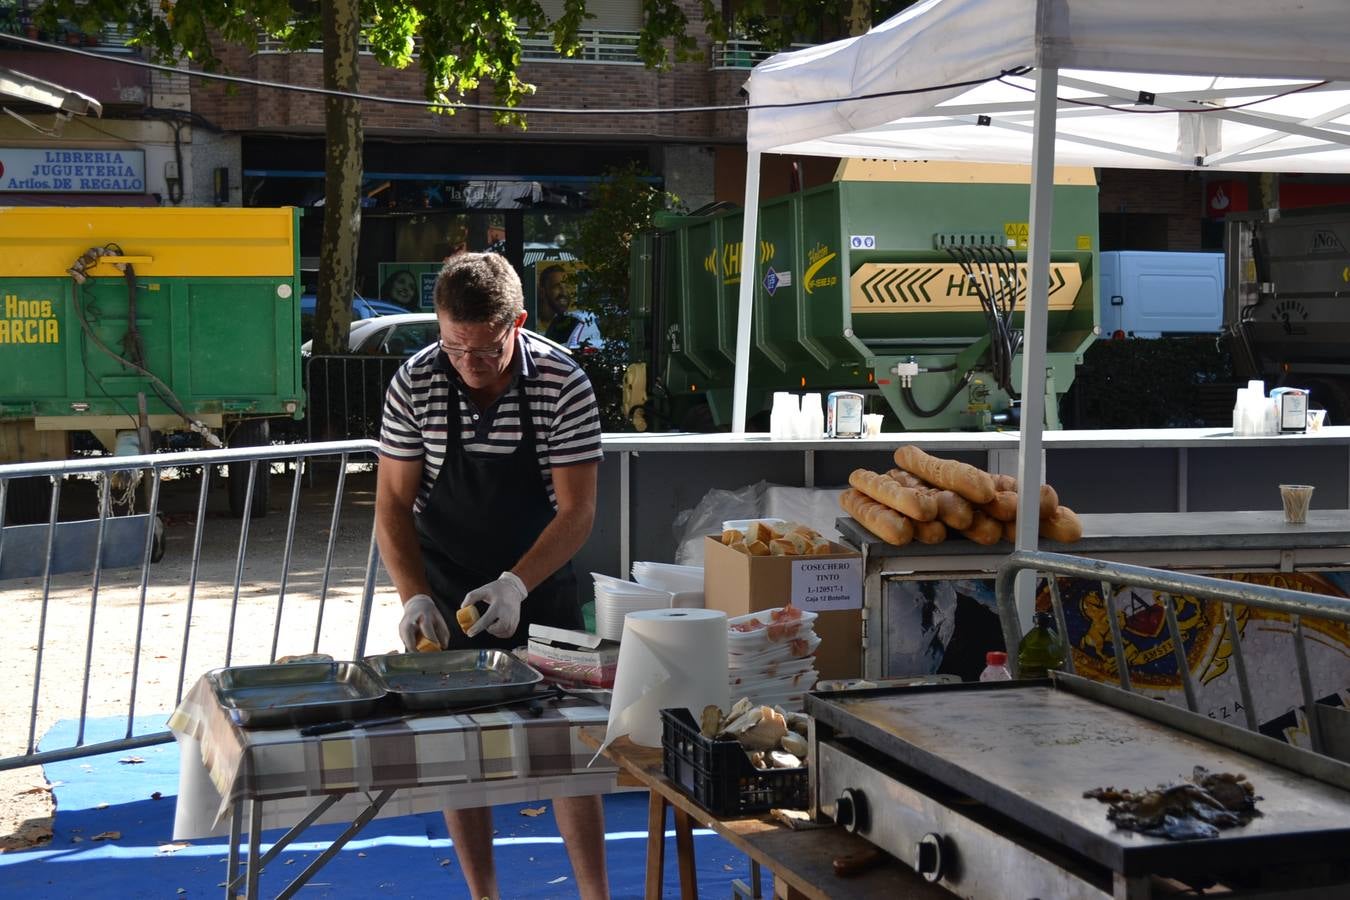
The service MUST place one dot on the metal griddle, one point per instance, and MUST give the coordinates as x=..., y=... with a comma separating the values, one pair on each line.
x=1028, y=750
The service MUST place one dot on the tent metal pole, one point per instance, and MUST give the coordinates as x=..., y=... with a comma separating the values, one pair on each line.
x=749, y=272
x=1030, y=464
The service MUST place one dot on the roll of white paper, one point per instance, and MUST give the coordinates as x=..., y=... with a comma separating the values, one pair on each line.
x=668, y=658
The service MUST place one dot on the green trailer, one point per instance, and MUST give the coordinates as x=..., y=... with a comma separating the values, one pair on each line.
x=126, y=322
x=905, y=281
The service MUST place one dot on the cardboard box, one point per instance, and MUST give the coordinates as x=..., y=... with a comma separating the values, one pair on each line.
x=573, y=658
x=830, y=584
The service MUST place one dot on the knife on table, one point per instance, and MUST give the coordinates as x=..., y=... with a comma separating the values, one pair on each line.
x=348, y=724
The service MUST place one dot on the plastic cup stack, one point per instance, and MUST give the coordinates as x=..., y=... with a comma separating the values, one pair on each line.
x=783, y=416
x=812, y=417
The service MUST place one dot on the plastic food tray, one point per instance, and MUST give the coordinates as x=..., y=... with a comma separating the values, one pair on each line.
x=296, y=693
x=454, y=677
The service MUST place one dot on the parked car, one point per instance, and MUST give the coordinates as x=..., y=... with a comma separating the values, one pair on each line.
x=398, y=335
x=362, y=310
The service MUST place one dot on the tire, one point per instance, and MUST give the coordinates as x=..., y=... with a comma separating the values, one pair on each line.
x=249, y=433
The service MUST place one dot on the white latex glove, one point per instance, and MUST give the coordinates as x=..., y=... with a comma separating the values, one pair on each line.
x=420, y=614
x=503, y=598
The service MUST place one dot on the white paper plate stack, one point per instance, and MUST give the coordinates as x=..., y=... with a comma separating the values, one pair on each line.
x=684, y=582
x=771, y=656
x=616, y=598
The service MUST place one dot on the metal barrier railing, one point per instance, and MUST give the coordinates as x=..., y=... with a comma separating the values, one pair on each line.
x=346, y=395
x=190, y=592
x=1295, y=604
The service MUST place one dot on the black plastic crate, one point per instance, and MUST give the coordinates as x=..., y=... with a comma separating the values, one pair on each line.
x=719, y=775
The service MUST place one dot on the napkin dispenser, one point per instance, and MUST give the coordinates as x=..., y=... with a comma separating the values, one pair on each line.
x=1293, y=409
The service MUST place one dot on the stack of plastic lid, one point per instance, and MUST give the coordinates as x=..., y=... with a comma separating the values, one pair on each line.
x=616, y=598
x=771, y=656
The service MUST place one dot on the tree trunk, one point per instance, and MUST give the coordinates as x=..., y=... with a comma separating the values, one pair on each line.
x=343, y=168
x=858, y=18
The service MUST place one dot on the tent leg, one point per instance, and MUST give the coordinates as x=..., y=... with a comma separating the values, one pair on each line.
x=749, y=273
x=1030, y=463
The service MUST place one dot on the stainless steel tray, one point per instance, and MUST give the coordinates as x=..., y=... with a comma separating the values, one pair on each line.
x=454, y=677
x=296, y=693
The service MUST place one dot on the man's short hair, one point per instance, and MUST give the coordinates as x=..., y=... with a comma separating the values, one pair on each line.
x=479, y=287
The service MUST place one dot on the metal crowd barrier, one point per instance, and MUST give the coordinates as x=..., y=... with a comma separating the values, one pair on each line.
x=1296, y=604
x=346, y=395
x=60, y=687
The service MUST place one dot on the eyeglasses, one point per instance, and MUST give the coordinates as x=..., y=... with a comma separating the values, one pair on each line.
x=479, y=353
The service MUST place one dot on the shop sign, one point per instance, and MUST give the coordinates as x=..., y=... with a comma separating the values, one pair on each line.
x=35, y=170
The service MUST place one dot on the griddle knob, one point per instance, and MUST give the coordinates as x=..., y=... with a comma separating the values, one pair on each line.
x=850, y=810
x=928, y=854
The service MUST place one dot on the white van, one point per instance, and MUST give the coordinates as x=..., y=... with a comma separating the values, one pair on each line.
x=1148, y=294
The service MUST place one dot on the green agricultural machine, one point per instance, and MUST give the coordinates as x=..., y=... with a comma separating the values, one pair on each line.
x=127, y=323
x=903, y=281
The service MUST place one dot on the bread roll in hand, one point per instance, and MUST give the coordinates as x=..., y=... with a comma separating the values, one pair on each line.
x=466, y=616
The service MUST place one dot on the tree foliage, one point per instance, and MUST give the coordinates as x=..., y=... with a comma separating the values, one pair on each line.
x=623, y=204
x=459, y=45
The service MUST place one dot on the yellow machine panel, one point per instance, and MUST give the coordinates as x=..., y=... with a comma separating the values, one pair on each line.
x=41, y=242
x=945, y=287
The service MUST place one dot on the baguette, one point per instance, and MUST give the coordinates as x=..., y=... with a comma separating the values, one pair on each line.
x=427, y=645
x=733, y=536
x=1049, y=497
x=757, y=548
x=918, y=505
x=1003, y=507
x=1010, y=531
x=877, y=518
x=953, y=510
x=984, y=530
x=1063, y=526
x=933, y=532
x=976, y=485
x=758, y=531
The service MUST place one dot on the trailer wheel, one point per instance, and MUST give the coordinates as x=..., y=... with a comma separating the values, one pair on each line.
x=249, y=433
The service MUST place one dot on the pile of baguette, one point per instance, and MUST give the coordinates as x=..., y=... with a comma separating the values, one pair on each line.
x=927, y=498
x=787, y=539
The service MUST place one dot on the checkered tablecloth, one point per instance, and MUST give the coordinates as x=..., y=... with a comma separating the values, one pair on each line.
x=436, y=761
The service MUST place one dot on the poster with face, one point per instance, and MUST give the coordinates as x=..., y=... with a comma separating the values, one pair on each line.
x=555, y=291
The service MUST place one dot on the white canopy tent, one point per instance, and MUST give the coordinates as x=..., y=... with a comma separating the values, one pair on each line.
x=1243, y=85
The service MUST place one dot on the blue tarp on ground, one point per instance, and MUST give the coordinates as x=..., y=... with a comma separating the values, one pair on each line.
x=408, y=857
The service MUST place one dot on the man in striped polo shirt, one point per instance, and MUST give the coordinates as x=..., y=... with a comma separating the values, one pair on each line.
x=489, y=453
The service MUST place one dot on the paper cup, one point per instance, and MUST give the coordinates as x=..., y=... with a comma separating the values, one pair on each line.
x=1316, y=418
x=1297, y=498
x=872, y=424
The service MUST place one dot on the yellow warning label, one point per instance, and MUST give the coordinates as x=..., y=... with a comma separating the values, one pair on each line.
x=1018, y=233
x=1084, y=242
x=29, y=322
x=945, y=287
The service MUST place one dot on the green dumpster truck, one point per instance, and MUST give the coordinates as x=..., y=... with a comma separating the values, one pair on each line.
x=905, y=281
x=130, y=323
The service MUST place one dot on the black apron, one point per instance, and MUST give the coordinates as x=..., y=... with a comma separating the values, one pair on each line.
x=483, y=513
